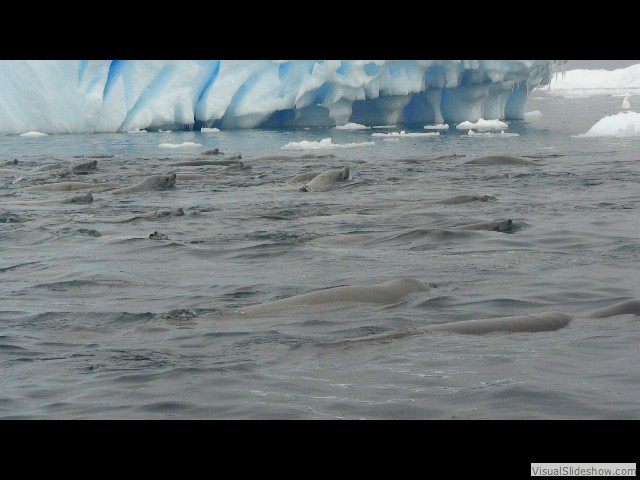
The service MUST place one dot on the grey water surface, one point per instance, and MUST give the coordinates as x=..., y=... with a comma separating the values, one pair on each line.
x=97, y=321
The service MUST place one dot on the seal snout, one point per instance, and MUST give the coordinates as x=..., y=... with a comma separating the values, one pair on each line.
x=171, y=179
x=86, y=198
x=158, y=236
x=506, y=226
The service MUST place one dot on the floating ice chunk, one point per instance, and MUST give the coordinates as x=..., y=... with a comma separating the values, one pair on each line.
x=137, y=130
x=472, y=134
x=483, y=124
x=209, y=130
x=439, y=126
x=324, y=144
x=179, y=145
x=405, y=134
x=618, y=125
x=351, y=126
x=384, y=126
x=33, y=134
x=532, y=115
x=390, y=139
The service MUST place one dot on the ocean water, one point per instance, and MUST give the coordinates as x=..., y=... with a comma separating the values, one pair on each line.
x=98, y=321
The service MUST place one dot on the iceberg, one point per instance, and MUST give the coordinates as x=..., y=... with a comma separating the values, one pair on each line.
x=90, y=96
x=582, y=82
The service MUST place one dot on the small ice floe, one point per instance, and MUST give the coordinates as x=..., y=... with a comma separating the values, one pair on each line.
x=405, y=134
x=472, y=134
x=324, y=144
x=618, y=125
x=33, y=133
x=179, y=145
x=483, y=124
x=351, y=126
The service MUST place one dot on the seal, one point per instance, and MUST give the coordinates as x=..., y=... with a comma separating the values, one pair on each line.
x=67, y=186
x=75, y=199
x=158, y=236
x=502, y=226
x=238, y=166
x=537, y=322
x=382, y=293
x=160, y=213
x=303, y=178
x=9, y=172
x=197, y=176
x=48, y=166
x=464, y=199
x=496, y=176
x=624, y=308
x=540, y=322
x=499, y=160
x=213, y=151
x=154, y=182
x=326, y=180
x=84, y=168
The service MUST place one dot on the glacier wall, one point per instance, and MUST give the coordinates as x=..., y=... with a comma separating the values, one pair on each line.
x=87, y=96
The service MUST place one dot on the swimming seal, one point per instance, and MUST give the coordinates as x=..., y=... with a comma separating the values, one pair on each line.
x=382, y=293
x=77, y=199
x=197, y=176
x=67, y=186
x=160, y=213
x=154, y=182
x=326, y=180
x=158, y=236
x=537, y=322
x=502, y=226
x=499, y=160
x=464, y=199
x=84, y=168
x=303, y=178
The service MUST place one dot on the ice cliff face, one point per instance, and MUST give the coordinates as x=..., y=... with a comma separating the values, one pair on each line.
x=119, y=95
